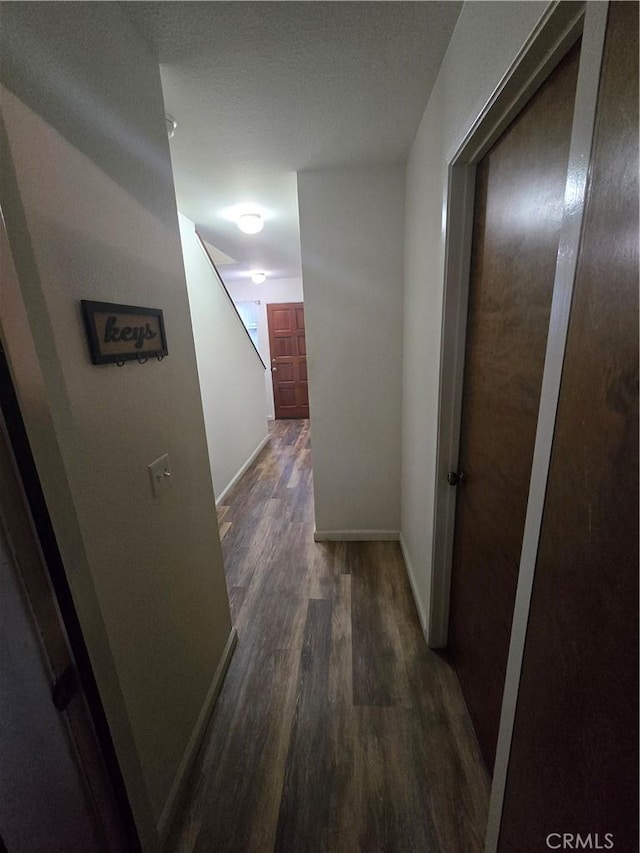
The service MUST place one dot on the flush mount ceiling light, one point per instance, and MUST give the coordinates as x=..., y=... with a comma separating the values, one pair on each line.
x=250, y=223
x=258, y=277
x=172, y=124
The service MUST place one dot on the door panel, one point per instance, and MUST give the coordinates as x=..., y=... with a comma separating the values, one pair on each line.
x=288, y=359
x=282, y=320
x=283, y=347
x=520, y=187
x=573, y=764
x=286, y=371
x=287, y=397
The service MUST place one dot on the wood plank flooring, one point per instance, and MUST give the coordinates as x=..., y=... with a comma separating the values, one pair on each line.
x=337, y=730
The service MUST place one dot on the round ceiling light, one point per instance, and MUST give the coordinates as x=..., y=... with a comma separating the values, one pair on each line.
x=250, y=223
x=258, y=277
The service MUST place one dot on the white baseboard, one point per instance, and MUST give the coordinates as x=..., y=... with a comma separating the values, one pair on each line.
x=164, y=821
x=242, y=470
x=355, y=535
x=422, y=616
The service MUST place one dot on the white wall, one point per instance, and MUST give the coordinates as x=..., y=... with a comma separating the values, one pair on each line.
x=270, y=291
x=351, y=229
x=89, y=205
x=485, y=42
x=231, y=374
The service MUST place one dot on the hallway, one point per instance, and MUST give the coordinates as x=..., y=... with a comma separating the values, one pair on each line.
x=336, y=729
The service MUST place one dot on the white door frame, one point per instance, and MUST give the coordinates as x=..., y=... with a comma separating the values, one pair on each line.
x=554, y=35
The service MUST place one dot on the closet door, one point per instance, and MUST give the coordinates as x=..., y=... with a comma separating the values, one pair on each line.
x=574, y=754
x=520, y=187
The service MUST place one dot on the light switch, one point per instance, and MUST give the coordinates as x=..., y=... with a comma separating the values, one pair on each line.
x=160, y=473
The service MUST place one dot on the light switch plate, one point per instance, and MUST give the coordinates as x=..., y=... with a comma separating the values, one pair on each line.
x=160, y=473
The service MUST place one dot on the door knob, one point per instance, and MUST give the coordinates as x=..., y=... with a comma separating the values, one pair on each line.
x=274, y=369
x=456, y=478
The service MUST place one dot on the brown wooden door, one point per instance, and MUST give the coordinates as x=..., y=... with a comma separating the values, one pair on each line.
x=518, y=209
x=288, y=359
x=574, y=754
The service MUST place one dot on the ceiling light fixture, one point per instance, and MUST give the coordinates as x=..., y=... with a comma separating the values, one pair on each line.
x=258, y=277
x=250, y=223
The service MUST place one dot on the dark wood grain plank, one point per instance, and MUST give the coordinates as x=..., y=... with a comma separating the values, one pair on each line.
x=392, y=782
x=247, y=769
x=304, y=807
x=378, y=668
x=441, y=750
x=236, y=599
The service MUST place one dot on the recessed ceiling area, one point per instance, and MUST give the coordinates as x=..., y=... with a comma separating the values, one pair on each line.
x=262, y=90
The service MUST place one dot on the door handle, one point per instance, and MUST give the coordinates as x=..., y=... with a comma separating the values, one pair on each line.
x=456, y=478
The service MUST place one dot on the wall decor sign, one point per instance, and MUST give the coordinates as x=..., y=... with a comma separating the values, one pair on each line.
x=119, y=333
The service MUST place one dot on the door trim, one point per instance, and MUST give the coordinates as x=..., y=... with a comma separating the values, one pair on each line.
x=557, y=31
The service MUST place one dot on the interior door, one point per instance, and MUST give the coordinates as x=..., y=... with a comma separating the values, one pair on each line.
x=56, y=793
x=288, y=359
x=574, y=754
x=520, y=186
x=43, y=799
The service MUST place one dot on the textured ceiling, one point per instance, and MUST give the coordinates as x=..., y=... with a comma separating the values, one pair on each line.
x=261, y=90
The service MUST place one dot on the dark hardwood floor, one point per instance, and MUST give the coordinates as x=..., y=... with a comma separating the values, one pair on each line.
x=337, y=729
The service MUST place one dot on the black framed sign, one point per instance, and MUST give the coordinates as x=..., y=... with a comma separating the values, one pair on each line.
x=119, y=333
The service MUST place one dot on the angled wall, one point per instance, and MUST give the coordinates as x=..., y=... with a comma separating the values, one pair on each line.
x=230, y=371
x=89, y=206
